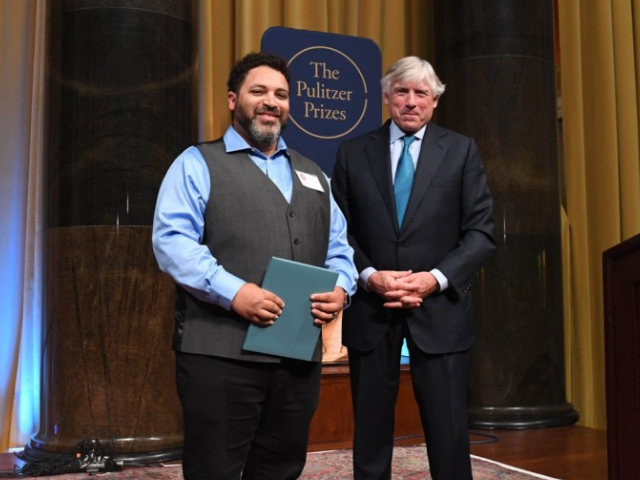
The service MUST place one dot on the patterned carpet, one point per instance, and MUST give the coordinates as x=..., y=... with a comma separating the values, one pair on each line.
x=409, y=463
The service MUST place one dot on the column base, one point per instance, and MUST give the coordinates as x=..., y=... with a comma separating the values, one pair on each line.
x=511, y=418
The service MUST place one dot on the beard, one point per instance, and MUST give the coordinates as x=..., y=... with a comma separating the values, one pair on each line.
x=260, y=135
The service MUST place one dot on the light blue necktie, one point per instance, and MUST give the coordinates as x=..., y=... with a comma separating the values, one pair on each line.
x=404, y=179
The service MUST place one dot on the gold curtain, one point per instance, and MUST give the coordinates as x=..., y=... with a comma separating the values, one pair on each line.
x=229, y=29
x=600, y=61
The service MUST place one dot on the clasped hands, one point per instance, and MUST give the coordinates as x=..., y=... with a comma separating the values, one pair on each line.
x=262, y=307
x=402, y=289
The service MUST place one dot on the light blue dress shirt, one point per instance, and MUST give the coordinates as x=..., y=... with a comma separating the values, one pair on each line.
x=178, y=225
x=396, y=144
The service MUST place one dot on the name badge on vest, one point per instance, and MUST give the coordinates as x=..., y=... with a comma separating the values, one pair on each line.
x=310, y=180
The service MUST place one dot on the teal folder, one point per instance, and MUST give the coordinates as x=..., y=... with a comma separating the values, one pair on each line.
x=293, y=335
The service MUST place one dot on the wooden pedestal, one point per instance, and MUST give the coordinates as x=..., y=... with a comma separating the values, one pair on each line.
x=332, y=425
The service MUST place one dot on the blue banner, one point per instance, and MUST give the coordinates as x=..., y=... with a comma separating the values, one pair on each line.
x=335, y=89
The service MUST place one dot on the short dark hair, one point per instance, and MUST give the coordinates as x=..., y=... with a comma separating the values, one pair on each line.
x=253, y=60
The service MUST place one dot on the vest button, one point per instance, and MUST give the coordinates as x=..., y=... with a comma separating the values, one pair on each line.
x=296, y=241
x=291, y=214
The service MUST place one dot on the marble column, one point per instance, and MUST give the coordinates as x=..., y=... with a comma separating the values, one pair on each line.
x=497, y=59
x=122, y=76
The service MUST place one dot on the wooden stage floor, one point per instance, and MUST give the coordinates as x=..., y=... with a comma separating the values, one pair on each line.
x=567, y=453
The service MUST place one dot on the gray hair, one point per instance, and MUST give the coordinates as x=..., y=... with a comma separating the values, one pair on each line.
x=413, y=69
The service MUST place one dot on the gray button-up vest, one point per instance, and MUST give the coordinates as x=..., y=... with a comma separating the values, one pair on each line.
x=247, y=221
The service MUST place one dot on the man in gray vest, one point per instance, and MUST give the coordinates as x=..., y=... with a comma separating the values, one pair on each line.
x=224, y=208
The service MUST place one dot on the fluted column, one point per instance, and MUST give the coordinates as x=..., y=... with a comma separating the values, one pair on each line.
x=497, y=59
x=121, y=108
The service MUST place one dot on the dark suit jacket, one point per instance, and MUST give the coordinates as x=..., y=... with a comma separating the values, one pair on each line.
x=448, y=225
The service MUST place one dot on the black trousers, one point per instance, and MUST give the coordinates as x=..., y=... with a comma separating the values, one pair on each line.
x=245, y=419
x=440, y=388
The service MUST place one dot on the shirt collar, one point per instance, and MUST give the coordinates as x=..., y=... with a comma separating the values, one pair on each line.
x=233, y=142
x=396, y=134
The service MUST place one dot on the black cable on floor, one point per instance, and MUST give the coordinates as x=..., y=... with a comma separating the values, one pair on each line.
x=88, y=456
x=488, y=438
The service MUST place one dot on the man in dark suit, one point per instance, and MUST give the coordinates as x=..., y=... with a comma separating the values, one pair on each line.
x=419, y=216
